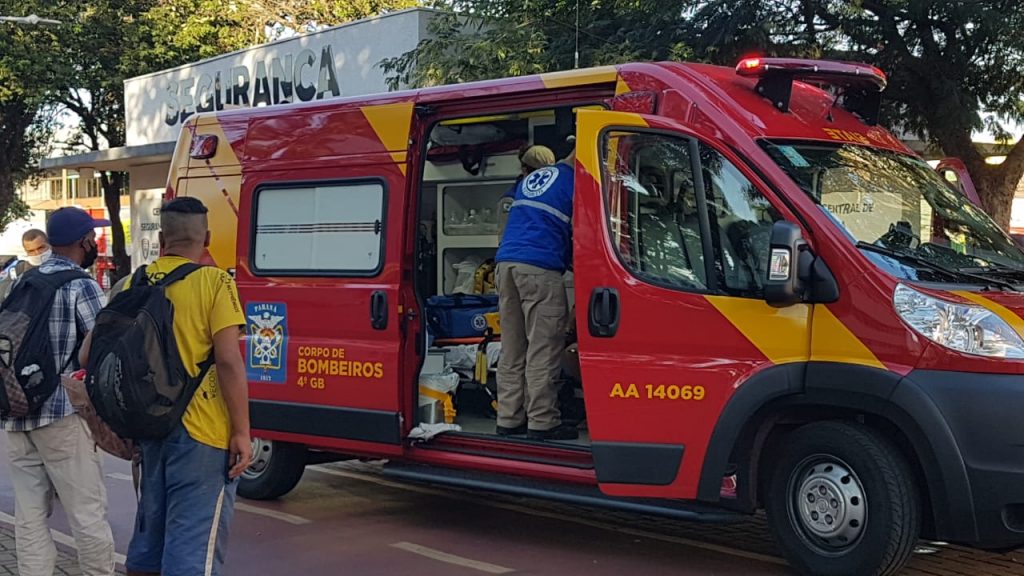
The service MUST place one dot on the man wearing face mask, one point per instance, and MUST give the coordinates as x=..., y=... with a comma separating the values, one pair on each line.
x=37, y=251
x=51, y=450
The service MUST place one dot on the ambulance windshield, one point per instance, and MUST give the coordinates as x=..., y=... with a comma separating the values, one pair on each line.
x=902, y=214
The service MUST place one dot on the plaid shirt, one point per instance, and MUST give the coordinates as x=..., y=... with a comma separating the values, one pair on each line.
x=74, y=313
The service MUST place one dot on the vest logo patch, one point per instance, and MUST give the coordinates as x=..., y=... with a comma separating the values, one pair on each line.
x=539, y=181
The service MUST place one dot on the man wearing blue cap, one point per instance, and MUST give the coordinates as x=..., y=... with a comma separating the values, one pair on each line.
x=52, y=449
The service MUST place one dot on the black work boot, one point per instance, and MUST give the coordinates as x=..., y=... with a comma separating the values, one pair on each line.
x=517, y=431
x=563, y=432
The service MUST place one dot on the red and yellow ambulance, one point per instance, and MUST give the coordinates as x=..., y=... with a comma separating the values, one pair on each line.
x=768, y=287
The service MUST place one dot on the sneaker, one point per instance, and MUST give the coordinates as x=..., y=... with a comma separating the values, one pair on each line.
x=517, y=431
x=728, y=487
x=562, y=432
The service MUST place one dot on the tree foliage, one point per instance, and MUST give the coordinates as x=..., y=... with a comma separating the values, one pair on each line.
x=954, y=67
x=495, y=38
x=81, y=65
x=25, y=76
x=198, y=29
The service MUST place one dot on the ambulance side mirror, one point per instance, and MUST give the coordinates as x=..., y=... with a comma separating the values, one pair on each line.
x=795, y=274
x=789, y=265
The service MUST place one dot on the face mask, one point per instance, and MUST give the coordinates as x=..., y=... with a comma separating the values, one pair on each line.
x=90, y=256
x=38, y=259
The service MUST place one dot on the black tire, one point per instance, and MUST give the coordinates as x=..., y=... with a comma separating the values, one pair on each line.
x=276, y=469
x=815, y=514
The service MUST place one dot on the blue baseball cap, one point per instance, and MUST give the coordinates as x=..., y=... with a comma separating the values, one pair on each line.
x=69, y=225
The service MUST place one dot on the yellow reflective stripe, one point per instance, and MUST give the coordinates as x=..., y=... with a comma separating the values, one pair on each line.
x=1003, y=312
x=621, y=87
x=781, y=334
x=392, y=123
x=579, y=77
x=589, y=124
x=832, y=341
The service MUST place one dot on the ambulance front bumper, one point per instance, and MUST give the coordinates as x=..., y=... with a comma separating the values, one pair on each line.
x=984, y=416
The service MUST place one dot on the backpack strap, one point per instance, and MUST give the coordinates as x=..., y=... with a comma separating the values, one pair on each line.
x=55, y=280
x=175, y=275
x=179, y=273
x=139, y=278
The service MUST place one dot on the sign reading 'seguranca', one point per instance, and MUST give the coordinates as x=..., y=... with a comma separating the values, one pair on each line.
x=340, y=61
x=300, y=77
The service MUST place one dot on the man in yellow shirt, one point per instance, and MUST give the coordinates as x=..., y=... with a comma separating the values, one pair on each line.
x=189, y=478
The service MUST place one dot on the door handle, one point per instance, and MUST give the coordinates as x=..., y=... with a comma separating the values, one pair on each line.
x=379, y=310
x=604, y=312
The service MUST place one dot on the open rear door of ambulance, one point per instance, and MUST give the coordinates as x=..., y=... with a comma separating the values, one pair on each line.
x=321, y=277
x=671, y=233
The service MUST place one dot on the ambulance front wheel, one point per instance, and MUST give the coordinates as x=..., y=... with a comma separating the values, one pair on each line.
x=841, y=500
x=275, y=470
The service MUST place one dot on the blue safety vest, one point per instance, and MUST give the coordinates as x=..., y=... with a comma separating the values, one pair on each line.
x=539, y=229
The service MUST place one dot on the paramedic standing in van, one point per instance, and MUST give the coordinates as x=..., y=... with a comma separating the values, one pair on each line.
x=535, y=252
x=530, y=158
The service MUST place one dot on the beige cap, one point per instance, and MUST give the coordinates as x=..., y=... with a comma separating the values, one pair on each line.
x=537, y=157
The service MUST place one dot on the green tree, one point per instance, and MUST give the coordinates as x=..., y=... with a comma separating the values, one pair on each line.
x=205, y=28
x=104, y=42
x=481, y=39
x=954, y=68
x=90, y=83
x=24, y=119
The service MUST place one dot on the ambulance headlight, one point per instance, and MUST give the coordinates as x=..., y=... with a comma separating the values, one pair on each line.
x=963, y=327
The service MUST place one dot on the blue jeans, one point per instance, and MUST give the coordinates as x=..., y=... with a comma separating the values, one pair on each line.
x=187, y=502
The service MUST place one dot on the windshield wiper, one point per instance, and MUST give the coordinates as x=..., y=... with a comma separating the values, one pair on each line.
x=949, y=272
x=990, y=266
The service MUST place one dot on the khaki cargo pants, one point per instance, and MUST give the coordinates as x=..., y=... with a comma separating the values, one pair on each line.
x=61, y=458
x=533, y=310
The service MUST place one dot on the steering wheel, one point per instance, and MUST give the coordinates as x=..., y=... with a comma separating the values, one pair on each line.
x=900, y=235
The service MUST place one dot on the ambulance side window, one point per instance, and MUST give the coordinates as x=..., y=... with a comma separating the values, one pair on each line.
x=655, y=221
x=741, y=221
x=652, y=208
x=332, y=228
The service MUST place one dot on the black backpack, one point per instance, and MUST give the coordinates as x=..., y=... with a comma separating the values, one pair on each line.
x=136, y=379
x=27, y=369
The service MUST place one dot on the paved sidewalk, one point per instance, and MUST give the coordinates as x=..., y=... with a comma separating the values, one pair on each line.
x=67, y=560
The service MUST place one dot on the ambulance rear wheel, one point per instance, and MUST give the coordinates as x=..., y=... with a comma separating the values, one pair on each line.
x=841, y=500
x=275, y=470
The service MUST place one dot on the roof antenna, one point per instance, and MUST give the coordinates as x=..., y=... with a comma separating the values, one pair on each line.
x=577, y=54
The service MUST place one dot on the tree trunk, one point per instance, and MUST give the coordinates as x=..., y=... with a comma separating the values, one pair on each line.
x=998, y=184
x=8, y=189
x=113, y=183
x=996, y=198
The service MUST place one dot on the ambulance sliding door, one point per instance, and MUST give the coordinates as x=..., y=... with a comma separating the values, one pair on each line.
x=321, y=277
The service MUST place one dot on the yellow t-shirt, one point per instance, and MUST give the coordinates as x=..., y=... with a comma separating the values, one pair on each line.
x=205, y=303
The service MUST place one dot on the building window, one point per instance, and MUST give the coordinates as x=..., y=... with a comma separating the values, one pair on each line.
x=56, y=187
x=655, y=216
x=332, y=229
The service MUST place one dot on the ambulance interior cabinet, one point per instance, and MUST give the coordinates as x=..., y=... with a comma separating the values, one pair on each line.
x=467, y=229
